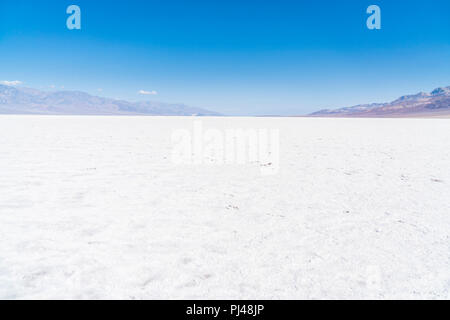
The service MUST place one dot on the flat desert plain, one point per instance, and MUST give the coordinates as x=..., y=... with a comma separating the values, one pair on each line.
x=95, y=208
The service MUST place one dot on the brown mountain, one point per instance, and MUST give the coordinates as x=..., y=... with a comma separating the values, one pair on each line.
x=433, y=104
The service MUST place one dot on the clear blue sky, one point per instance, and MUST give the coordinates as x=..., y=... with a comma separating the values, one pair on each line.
x=235, y=57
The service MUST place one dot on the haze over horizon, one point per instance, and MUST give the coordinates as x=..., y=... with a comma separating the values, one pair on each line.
x=17, y=99
x=252, y=58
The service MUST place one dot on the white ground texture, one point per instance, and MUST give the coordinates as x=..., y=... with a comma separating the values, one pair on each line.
x=94, y=208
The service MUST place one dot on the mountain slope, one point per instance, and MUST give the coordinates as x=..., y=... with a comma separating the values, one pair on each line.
x=18, y=100
x=435, y=103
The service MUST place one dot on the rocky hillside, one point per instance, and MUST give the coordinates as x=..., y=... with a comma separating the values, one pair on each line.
x=435, y=103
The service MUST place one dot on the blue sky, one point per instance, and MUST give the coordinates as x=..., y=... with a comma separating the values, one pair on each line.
x=235, y=57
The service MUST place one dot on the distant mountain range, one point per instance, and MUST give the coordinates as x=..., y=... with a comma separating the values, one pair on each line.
x=20, y=100
x=435, y=104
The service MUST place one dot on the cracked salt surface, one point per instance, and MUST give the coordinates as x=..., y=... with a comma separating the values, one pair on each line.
x=91, y=208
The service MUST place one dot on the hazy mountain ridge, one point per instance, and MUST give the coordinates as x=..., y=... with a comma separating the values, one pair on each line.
x=20, y=100
x=436, y=103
